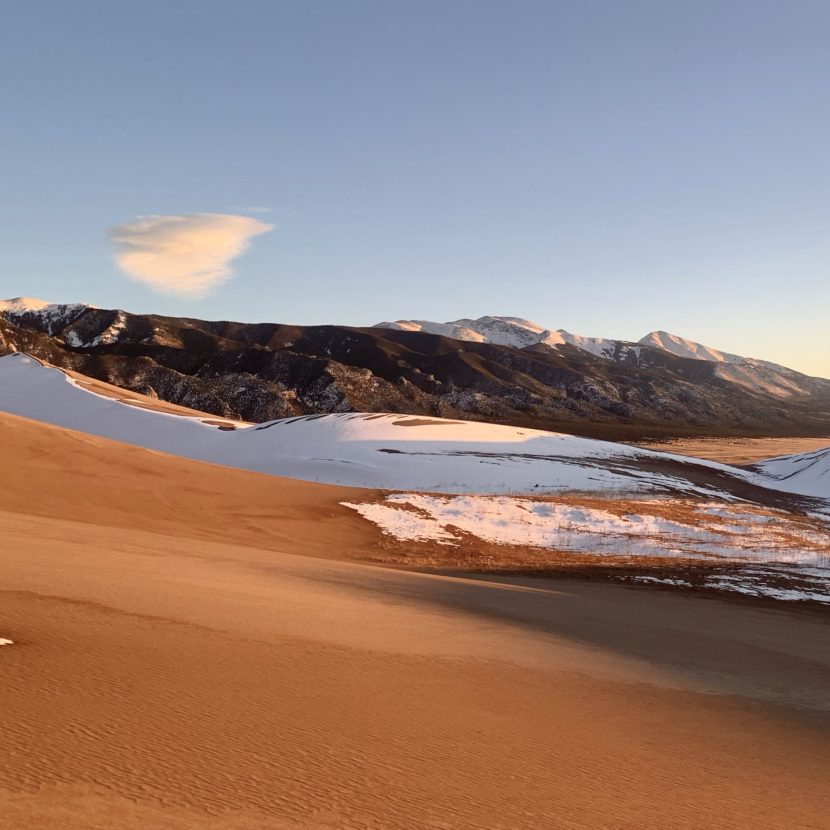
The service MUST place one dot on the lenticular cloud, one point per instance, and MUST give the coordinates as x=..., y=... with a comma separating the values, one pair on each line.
x=186, y=255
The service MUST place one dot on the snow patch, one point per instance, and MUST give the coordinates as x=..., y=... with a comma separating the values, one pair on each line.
x=404, y=524
x=563, y=527
x=107, y=337
x=806, y=473
x=661, y=580
x=758, y=585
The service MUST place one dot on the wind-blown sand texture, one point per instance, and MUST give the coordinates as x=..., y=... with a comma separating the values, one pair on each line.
x=176, y=664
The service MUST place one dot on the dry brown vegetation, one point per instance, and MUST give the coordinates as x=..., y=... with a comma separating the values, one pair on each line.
x=735, y=450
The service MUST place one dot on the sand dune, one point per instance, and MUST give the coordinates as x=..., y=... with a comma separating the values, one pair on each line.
x=71, y=475
x=176, y=664
x=378, y=450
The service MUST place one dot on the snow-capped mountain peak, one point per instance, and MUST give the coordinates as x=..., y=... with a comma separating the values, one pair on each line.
x=54, y=315
x=502, y=331
x=22, y=305
x=520, y=333
x=507, y=331
x=682, y=347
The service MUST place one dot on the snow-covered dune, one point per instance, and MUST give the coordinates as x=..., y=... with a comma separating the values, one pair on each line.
x=390, y=451
x=806, y=473
x=368, y=450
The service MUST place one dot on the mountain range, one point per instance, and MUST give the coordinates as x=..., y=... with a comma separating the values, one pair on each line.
x=500, y=369
x=520, y=333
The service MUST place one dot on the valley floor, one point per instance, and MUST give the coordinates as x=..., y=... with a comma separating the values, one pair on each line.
x=176, y=664
x=734, y=450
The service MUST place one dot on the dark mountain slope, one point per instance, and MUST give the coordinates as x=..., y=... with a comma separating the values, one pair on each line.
x=263, y=371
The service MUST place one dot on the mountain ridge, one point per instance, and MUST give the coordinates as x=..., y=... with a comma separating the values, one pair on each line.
x=519, y=333
x=262, y=371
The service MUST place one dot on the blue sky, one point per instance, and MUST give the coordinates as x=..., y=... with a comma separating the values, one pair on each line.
x=605, y=167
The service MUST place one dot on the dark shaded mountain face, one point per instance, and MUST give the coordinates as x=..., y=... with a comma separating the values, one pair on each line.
x=259, y=372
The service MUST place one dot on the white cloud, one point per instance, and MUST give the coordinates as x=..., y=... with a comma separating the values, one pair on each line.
x=186, y=255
